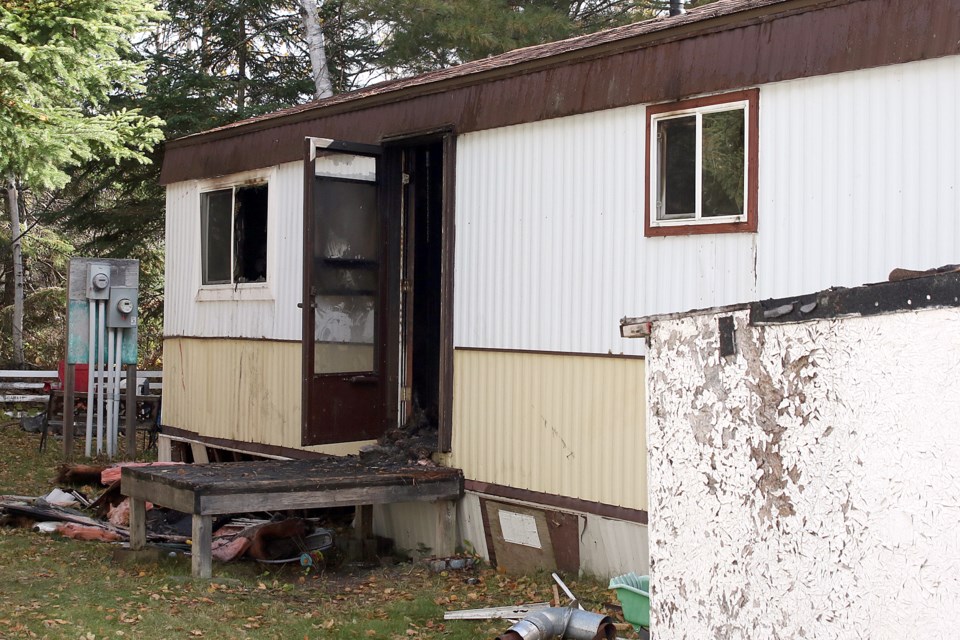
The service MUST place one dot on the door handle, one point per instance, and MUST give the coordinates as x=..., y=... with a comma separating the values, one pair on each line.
x=363, y=379
x=311, y=305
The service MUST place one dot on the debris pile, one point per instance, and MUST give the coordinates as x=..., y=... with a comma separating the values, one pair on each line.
x=415, y=441
x=69, y=512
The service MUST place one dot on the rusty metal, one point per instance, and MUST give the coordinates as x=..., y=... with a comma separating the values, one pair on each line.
x=723, y=46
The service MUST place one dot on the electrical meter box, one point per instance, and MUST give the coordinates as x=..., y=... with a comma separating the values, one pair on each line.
x=122, y=308
x=98, y=281
x=110, y=285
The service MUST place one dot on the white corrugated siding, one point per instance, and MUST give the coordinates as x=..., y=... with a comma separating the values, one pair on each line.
x=276, y=318
x=859, y=175
x=549, y=224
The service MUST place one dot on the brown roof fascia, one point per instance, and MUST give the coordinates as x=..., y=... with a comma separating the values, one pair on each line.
x=722, y=15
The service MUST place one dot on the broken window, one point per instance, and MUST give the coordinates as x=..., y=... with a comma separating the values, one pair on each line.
x=233, y=230
x=699, y=165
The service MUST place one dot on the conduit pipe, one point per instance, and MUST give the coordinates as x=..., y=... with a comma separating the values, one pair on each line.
x=118, y=366
x=110, y=390
x=101, y=324
x=92, y=335
x=562, y=622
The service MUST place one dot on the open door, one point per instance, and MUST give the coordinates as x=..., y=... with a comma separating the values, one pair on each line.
x=345, y=288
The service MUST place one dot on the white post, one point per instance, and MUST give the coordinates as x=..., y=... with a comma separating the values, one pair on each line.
x=101, y=323
x=92, y=337
x=118, y=355
x=110, y=393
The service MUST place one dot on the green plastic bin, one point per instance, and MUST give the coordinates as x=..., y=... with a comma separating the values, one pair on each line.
x=634, y=594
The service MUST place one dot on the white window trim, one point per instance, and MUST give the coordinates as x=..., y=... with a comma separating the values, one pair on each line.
x=240, y=291
x=697, y=219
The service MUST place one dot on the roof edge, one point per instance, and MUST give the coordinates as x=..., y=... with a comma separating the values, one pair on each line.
x=673, y=28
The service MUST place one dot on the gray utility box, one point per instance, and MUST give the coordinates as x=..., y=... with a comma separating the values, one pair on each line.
x=122, y=308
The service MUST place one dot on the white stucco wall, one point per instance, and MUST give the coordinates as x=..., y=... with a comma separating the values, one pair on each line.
x=809, y=486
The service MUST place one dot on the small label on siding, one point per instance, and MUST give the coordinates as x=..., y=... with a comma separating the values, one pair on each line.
x=519, y=528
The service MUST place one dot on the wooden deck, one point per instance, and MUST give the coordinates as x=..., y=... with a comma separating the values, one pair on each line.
x=205, y=490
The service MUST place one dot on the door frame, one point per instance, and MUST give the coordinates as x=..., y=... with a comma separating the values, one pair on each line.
x=390, y=202
x=394, y=147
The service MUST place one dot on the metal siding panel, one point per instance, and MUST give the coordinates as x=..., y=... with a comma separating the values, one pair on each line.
x=609, y=548
x=562, y=425
x=859, y=175
x=276, y=319
x=538, y=209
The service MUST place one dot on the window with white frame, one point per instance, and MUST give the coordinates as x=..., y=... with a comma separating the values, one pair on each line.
x=233, y=234
x=699, y=168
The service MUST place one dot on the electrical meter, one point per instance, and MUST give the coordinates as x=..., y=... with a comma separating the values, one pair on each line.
x=122, y=308
x=98, y=281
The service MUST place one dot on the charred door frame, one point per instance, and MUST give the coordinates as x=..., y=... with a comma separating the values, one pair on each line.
x=382, y=344
x=393, y=182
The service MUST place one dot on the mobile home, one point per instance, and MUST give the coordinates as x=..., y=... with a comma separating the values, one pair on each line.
x=464, y=242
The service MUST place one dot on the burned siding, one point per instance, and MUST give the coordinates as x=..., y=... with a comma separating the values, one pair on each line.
x=805, y=486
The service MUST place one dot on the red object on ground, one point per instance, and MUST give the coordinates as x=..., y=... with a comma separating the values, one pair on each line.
x=84, y=532
x=81, y=374
x=112, y=474
x=226, y=550
x=119, y=516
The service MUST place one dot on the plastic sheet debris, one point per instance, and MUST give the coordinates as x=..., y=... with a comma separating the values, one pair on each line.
x=87, y=532
x=59, y=498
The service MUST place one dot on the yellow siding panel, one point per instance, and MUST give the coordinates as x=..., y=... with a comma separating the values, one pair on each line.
x=244, y=390
x=569, y=425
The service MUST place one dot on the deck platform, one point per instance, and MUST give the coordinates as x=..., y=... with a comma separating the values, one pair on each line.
x=205, y=490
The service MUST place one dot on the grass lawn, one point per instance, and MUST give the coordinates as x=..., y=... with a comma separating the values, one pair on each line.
x=53, y=587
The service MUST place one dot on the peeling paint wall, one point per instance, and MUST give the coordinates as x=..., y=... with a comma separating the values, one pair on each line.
x=809, y=485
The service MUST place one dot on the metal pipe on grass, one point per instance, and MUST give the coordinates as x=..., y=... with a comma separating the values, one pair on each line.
x=562, y=622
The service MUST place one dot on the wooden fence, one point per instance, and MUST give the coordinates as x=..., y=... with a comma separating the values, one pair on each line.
x=33, y=387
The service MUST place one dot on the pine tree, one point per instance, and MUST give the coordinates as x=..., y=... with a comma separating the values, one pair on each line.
x=59, y=64
x=423, y=35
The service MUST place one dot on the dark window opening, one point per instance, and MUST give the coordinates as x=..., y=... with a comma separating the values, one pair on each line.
x=215, y=216
x=250, y=234
x=233, y=235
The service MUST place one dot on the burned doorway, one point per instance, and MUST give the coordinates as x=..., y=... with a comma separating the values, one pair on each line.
x=378, y=286
x=426, y=286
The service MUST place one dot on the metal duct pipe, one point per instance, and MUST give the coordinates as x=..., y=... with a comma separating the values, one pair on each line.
x=562, y=622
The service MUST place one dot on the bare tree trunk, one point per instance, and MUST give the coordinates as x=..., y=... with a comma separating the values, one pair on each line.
x=318, y=55
x=242, y=69
x=13, y=206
